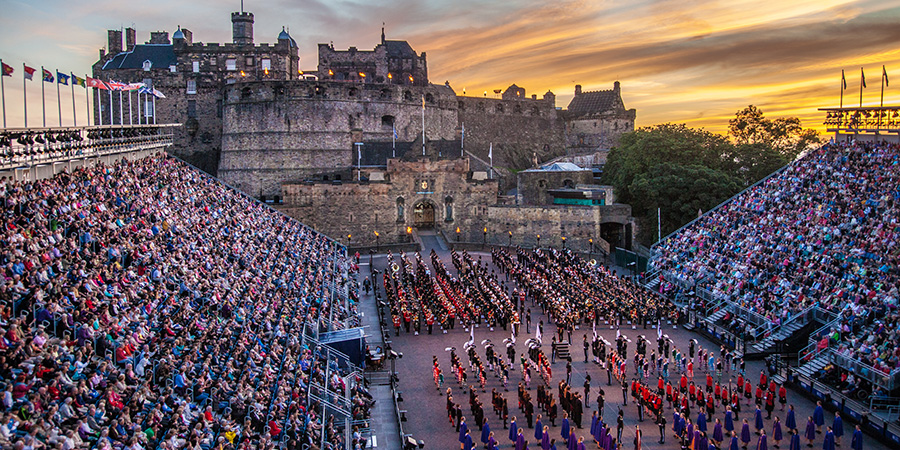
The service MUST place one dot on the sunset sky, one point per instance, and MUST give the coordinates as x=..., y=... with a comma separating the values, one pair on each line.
x=686, y=62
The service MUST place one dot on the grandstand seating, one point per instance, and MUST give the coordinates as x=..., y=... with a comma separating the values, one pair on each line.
x=146, y=305
x=822, y=234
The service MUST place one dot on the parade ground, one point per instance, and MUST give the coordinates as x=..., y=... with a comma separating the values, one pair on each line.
x=426, y=406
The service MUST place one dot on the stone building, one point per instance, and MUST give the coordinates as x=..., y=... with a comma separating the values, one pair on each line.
x=444, y=194
x=391, y=62
x=192, y=76
x=596, y=119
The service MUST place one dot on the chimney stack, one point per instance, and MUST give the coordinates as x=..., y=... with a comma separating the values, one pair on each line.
x=577, y=89
x=114, y=42
x=129, y=39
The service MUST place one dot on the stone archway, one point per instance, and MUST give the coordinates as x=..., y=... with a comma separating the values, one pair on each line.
x=424, y=214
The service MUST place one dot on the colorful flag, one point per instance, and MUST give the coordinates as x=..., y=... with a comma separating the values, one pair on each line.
x=843, y=79
x=115, y=85
x=76, y=80
x=883, y=73
x=863, y=73
x=158, y=94
x=29, y=72
x=48, y=77
x=491, y=151
x=133, y=86
x=7, y=70
x=62, y=78
x=97, y=83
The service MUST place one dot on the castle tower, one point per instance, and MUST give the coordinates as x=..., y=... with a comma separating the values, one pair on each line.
x=242, y=28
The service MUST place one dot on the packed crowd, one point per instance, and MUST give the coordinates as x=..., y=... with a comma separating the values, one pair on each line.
x=145, y=305
x=824, y=231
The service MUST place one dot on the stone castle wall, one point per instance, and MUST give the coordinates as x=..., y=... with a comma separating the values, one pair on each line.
x=519, y=129
x=284, y=132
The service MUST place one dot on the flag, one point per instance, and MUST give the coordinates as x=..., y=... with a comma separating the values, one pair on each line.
x=423, y=103
x=658, y=328
x=158, y=94
x=394, y=130
x=29, y=72
x=115, y=85
x=62, y=78
x=883, y=73
x=843, y=79
x=7, y=70
x=97, y=83
x=133, y=86
x=537, y=333
x=78, y=80
x=863, y=74
x=594, y=329
x=48, y=77
x=491, y=151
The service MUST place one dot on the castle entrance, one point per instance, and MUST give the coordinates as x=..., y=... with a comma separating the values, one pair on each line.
x=423, y=214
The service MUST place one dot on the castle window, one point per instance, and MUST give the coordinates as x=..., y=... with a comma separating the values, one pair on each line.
x=499, y=108
x=245, y=93
x=429, y=98
x=231, y=64
x=568, y=184
x=192, y=86
x=542, y=183
x=196, y=66
x=535, y=111
x=267, y=64
x=385, y=93
x=213, y=61
x=320, y=91
x=192, y=108
x=448, y=209
x=352, y=92
x=249, y=61
x=461, y=106
x=387, y=121
x=172, y=68
x=407, y=96
x=147, y=65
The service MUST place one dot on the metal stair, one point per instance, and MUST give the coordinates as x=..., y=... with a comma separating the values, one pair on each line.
x=717, y=316
x=814, y=365
x=781, y=334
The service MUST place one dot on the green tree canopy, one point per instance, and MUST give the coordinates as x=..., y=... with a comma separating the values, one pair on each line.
x=784, y=135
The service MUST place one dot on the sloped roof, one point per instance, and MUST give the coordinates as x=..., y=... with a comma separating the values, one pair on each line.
x=161, y=55
x=399, y=49
x=558, y=167
x=594, y=102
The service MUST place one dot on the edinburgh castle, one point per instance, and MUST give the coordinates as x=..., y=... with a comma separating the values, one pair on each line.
x=342, y=146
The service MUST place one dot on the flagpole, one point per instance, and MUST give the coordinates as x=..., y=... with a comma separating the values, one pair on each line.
x=862, y=81
x=130, y=110
x=843, y=86
x=58, y=98
x=154, y=109
x=43, y=100
x=110, y=108
x=423, y=126
x=393, y=141
x=87, y=100
x=74, y=114
x=3, y=94
x=462, y=142
x=25, y=94
x=121, y=109
x=140, y=108
x=883, y=73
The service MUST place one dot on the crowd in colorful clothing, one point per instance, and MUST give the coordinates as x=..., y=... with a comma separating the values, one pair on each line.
x=146, y=305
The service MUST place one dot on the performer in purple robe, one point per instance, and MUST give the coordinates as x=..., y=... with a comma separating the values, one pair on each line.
x=777, y=435
x=762, y=444
x=810, y=431
x=717, y=436
x=745, y=433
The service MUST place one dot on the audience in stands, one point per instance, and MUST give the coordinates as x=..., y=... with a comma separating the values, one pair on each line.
x=145, y=305
x=825, y=231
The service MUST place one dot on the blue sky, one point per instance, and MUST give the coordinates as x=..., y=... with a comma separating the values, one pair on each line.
x=687, y=62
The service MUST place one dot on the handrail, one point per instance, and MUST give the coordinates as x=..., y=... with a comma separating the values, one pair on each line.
x=863, y=370
x=791, y=319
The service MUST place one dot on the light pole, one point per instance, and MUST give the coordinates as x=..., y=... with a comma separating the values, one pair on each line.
x=510, y=239
x=348, y=241
x=564, y=241
x=484, y=238
x=376, y=241
x=590, y=248
x=539, y=241
x=457, y=235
